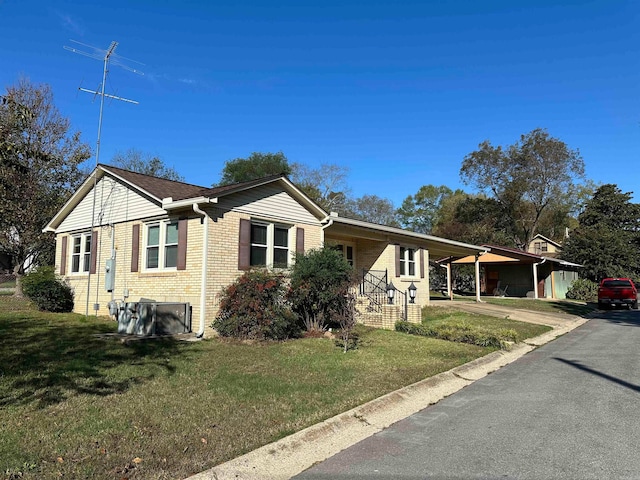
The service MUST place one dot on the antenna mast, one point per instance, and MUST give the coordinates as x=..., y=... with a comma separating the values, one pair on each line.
x=105, y=56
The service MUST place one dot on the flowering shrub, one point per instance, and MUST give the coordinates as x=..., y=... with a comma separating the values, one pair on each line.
x=254, y=307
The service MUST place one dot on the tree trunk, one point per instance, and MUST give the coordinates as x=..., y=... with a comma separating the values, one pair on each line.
x=18, y=291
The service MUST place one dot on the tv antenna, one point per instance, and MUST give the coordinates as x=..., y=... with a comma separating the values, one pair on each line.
x=106, y=56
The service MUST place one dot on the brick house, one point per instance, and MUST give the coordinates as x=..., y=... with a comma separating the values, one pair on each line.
x=172, y=241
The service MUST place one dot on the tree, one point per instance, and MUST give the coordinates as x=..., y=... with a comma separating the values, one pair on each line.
x=326, y=185
x=420, y=212
x=607, y=240
x=320, y=281
x=39, y=169
x=140, y=162
x=374, y=209
x=256, y=165
x=527, y=179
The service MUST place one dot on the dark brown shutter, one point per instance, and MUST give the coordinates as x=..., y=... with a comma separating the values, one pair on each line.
x=244, y=245
x=63, y=256
x=421, y=263
x=94, y=251
x=299, y=240
x=135, y=247
x=182, y=244
x=397, y=260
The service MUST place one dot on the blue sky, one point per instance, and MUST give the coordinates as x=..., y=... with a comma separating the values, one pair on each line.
x=399, y=92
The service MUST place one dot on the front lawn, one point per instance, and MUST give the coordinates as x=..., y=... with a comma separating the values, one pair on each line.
x=570, y=307
x=75, y=403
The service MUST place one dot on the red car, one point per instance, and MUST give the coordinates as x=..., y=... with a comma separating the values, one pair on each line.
x=617, y=291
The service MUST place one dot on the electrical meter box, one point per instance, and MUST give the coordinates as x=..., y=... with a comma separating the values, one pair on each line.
x=110, y=275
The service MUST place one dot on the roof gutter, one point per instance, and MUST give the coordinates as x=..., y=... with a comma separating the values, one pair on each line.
x=205, y=258
x=168, y=203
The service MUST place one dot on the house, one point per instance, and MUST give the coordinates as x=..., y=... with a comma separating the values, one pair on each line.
x=123, y=236
x=515, y=273
x=541, y=245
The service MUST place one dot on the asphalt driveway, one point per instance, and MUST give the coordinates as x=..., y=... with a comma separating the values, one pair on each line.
x=567, y=410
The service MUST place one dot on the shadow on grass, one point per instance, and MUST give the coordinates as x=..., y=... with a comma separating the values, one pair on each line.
x=46, y=359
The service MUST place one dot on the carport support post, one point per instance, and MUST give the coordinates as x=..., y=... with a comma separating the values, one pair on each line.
x=535, y=281
x=477, y=265
x=449, y=289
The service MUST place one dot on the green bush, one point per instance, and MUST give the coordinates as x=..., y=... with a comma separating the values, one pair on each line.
x=583, y=289
x=47, y=291
x=319, y=293
x=462, y=333
x=254, y=308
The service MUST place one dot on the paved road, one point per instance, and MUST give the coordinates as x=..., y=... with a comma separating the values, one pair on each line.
x=568, y=410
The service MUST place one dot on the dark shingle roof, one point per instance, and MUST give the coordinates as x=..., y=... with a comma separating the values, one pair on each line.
x=163, y=188
x=158, y=187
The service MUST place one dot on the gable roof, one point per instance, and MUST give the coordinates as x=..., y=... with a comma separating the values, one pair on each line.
x=172, y=194
x=548, y=240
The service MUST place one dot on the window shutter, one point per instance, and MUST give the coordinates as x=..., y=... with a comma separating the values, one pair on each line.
x=421, y=263
x=135, y=247
x=63, y=256
x=182, y=244
x=299, y=240
x=244, y=245
x=397, y=260
x=94, y=251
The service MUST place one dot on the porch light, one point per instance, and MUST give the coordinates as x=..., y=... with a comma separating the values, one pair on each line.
x=391, y=290
x=412, y=293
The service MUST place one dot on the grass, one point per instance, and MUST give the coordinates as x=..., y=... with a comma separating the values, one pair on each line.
x=433, y=315
x=75, y=404
x=550, y=306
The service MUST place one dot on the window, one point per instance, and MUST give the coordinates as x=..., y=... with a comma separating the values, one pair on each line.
x=347, y=252
x=81, y=253
x=269, y=245
x=540, y=247
x=162, y=246
x=407, y=261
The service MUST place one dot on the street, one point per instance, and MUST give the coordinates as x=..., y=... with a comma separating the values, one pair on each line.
x=568, y=410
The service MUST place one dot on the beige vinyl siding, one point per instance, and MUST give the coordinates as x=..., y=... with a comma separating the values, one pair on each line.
x=270, y=202
x=115, y=203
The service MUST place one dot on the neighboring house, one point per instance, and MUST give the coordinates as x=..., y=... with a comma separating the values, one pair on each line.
x=177, y=242
x=541, y=245
x=514, y=273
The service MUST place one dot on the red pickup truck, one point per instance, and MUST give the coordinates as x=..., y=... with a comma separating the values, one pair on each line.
x=617, y=291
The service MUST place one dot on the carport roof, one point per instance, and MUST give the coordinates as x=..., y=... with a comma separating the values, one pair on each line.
x=510, y=255
x=438, y=247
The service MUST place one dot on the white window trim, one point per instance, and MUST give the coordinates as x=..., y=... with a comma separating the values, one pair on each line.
x=161, y=246
x=271, y=226
x=405, y=261
x=84, y=262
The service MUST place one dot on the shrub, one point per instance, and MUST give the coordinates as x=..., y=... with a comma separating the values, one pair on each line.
x=461, y=332
x=47, y=291
x=320, y=281
x=583, y=289
x=254, y=307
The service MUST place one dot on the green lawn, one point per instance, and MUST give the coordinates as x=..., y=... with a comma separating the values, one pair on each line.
x=74, y=404
x=552, y=306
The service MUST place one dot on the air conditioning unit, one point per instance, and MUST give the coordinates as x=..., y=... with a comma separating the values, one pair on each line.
x=148, y=317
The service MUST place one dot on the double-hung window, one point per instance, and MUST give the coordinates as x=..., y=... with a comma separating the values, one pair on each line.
x=407, y=261
x=81, y=253
x=162, y=246
x=269, y=245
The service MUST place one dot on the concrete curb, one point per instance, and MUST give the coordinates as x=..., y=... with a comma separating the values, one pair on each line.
x=289, y=456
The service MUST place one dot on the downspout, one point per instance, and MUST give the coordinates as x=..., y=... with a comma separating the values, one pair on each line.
x=329, y=223
x=535, y=277
x=203, y=279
